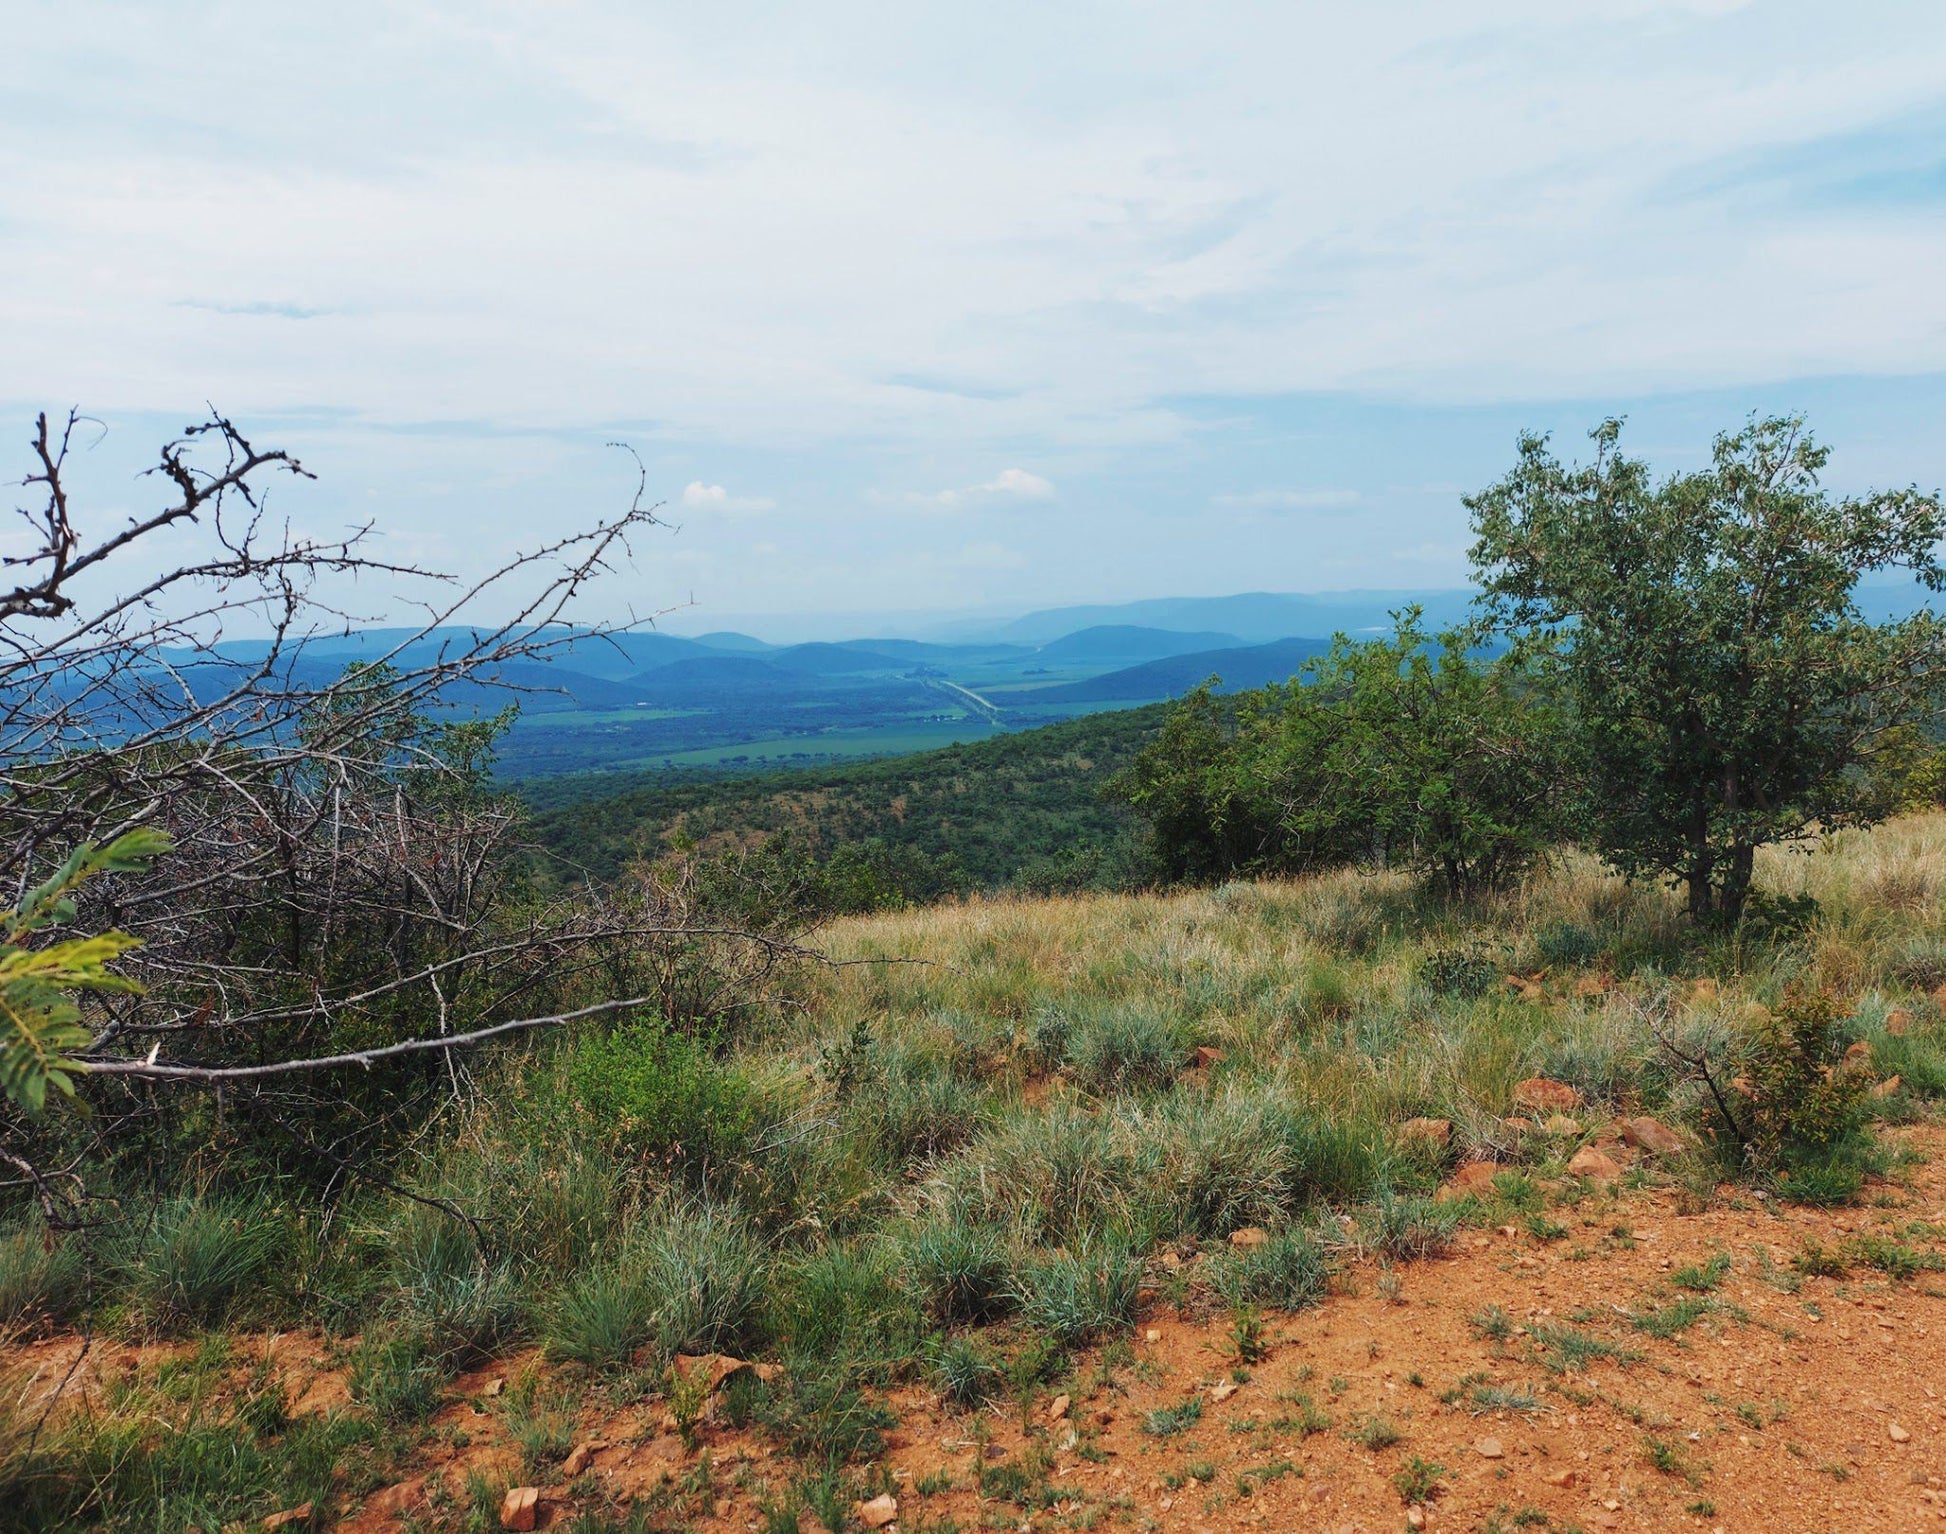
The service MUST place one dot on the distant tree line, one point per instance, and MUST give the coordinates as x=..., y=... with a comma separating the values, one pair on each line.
x=1672, y=673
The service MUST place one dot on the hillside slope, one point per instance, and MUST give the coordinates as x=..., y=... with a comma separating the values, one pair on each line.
x=992, y=808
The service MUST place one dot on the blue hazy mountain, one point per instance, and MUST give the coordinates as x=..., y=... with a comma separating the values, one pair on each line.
x=1127, y=644
x=1254, y=617
x=1240, y=667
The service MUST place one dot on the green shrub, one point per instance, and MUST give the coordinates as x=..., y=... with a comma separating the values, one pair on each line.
x=1289, y=1271
x=847, y=1302
x=41, y=1284
x=691, y=1279
x=1564, y=945
x=660, y=1096
x=966, y=1370
x=1409, y=1227
x=1077, y=1296
x=398, y=1375
x=1467, y=971
x=183, y=1264
x=464, y=1301
x=960, y=1270
x=1127, y=1048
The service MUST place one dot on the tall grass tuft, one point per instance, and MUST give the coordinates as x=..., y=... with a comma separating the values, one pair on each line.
x=186, y=1263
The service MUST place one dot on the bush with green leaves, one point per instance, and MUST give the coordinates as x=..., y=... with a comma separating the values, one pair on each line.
x=1080, y=1295
x=1289, y=1271
x=661, y=1096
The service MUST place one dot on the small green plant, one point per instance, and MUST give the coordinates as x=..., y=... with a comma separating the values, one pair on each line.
x=1703, y=1279
x=1246, y=1335
x=1408, y=1227
x=185, y=1263
x=1374, y=1432
x=967, y=1371
x=1169, y=1421
x=1289, y=1271
x=1467, y=970
x=1305, y=1417
x=1673, y=1319
x=1492, y=1323
x=1079, y=1295
x=1669, y=1459
x=687, y=1395
x=1417, y=1481
x=1567, y=1349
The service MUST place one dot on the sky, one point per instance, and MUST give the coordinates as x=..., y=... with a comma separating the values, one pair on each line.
x=921, y=309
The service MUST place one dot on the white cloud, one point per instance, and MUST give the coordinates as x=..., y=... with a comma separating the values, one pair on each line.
x=1017, y=482
x=1289, y=500
x=701, y=497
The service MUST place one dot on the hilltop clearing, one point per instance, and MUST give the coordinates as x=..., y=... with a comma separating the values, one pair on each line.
x=1319, y=1203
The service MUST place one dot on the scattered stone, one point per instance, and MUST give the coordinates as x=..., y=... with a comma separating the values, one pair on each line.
x=578, y=1460
x=1859, y=1053
x=1223, y=1390
x=520, y=1508
x=1649, y=1135
x=1897, y=1434
x=1437, y=1132
x=1888, y=1086
x=299, y=1514
x=877, y=1513
x=1490, y=1448
x=1151, y=1335
x=668, y=1447
x=1562, y=1127
x=1249, y=1238
x=493, y=1387
x=1208, y=1055
x=1058, y=1407
x=1415, y=1517
x=1540, y=1095
x=1593, y=1165
x=1319, y=1493
x=1474, y=1180
x=1562, y=1478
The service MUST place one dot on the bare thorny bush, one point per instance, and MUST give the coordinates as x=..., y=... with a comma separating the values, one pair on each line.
x=340, y=887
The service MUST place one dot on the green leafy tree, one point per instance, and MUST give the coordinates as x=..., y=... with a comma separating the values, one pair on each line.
x=1726, y=690
x=43, y=1027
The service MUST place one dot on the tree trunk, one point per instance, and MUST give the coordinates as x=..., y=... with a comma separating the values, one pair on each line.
x=1736, y=882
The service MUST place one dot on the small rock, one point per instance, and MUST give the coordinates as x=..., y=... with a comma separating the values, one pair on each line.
x=1208, y=1055
x=1319, y=1493
x=1887, y=1087
x=1561, y=1478
x=1151, y=1335
x=577, y=1461
x=1223, y=1390
x=493, y=1387
x=1415, y=1517
x=1593, y=1165
x=1537, y=1094
x=1490, y=1448
x=1437, y=1132
x=1249, y=1238
x=1898, y=1434
x=1859, y=1053
x=875, y=1514
x=1474, y=1180
x=519, y=1508
x=299, y=1514
x=1647, y=1134
x=1562, y=1127
x=1058, y=1408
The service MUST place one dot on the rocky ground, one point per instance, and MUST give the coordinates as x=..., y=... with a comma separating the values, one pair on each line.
x=1627, y=1361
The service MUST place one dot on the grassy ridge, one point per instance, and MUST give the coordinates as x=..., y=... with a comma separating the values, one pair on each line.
x=964, y=1166
x=995, y=808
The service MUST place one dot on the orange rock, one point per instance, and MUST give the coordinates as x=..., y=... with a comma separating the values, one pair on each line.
x=1490, y=1448
x=1593, y=1165
x=520, y=1508
x=1897, y=1021
x=1249, y=1238
x=1539, y=1095
x=579, y=1459
x=1437, y=1132
x=1646, y=1134
x=1859, y=1054
x=299, y=1514
x=877, y=1513
x=1058, y=1408
x=1474, y=1180
x=1887, y=1087
x=1209, y=1054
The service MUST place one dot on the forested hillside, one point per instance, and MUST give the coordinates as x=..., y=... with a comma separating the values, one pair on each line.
x=986, y=814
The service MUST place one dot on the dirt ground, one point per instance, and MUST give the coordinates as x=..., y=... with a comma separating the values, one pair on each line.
x=1778, y=1400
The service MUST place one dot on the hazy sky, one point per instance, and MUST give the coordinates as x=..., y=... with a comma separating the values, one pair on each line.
x=917, y=307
